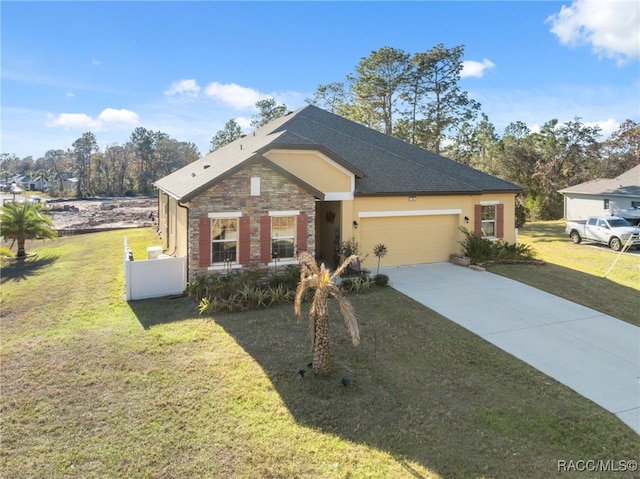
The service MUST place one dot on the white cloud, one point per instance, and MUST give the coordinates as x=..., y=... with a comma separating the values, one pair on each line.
x=606, y=126
x=126, y=117
x=82, y=121
x=188, y=88
x=95, y=62
x=475, y=69
x=244, y=122
x=239, y=97
x=75, y=121
x=611, y=27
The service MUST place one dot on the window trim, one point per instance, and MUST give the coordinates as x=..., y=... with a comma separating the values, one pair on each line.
x=282, y=213
x=225, y=265
x=494, y=220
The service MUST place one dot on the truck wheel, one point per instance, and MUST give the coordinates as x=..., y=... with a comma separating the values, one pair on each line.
x=615, y=244
x=575, y=237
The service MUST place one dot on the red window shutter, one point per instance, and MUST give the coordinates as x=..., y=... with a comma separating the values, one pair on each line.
x=204, y=242
x=500, y=220
x=265, y=239
x=301, y=233
x=477, y=220
x=244, y=240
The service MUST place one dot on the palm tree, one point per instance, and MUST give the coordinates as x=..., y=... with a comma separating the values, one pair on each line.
x=319, y=278
x=22, y=221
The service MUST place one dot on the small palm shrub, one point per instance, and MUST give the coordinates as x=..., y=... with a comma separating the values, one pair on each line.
x=379, y=251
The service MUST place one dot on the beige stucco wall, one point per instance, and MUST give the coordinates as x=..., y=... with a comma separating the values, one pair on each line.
x=420, y=229
x=315, y=169
x=172, y=225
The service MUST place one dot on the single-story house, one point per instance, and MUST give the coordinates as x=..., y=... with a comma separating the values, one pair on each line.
x=311, y=180
x=605, y=197
x=39, y=183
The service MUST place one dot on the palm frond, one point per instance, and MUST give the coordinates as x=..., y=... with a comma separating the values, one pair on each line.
x=343, y=266
x=348, y=314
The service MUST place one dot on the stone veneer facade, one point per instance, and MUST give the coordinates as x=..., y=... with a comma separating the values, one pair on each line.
x=277, y=193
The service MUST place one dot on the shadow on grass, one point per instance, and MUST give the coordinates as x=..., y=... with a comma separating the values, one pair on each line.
x=22, y=269
x=156, y=311
x=423, y=389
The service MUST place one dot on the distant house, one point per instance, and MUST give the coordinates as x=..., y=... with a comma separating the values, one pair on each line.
x=39, y=183
x=311, y=180
x=605, y=197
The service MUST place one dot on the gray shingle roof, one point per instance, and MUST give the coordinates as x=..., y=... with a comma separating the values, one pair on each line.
x=383, y=165
x=627, y=184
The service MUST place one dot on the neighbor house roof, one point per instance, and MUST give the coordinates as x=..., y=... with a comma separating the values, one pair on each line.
x=627, y=184
x=382, y=165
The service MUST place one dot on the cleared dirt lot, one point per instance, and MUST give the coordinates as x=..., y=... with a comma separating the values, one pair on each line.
x=101, y=213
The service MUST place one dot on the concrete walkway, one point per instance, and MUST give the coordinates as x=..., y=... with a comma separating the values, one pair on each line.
x=596, y=355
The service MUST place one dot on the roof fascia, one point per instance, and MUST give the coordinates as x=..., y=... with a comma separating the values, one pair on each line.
x=436, y=193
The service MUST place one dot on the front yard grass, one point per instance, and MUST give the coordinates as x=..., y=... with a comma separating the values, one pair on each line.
x=576, y=272
x=94, y=387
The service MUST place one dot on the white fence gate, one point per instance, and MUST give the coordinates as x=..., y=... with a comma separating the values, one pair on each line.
x=153, y=278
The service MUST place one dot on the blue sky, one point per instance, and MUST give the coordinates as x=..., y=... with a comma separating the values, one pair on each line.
x=185, y=68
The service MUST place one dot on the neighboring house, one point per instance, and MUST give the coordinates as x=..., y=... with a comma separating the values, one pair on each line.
x=602, y=197
x=39, y=183
x=311, y=180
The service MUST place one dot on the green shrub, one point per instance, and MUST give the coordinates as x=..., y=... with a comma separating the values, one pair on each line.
x=248, y=290
x=381, y=279
x=480, y=249
x=6, y=253
x=356, y=284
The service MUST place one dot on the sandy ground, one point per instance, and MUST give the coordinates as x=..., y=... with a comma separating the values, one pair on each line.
x=104, y=213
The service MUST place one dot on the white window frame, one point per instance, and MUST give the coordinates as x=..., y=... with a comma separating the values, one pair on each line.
x=284, y=214
x=493, y=221
x=225, y=265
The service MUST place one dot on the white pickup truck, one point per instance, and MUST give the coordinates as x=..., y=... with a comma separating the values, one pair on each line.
x=610, y=230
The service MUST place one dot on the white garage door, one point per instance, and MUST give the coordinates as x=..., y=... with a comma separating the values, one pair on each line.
x=410, y=239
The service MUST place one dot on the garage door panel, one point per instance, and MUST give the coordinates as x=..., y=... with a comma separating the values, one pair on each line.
x=414, y=239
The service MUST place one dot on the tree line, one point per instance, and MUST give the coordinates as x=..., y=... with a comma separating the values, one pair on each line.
x=118, y=170
x=415, y=97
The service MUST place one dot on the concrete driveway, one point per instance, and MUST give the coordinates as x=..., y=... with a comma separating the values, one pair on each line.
x=596, y=355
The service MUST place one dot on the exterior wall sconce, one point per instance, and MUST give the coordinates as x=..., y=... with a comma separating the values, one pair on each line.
x=355, y=224
x=466, y=219
x=412, y=198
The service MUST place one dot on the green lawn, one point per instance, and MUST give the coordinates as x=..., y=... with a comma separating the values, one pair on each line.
x=94, y=387
x=576, y=272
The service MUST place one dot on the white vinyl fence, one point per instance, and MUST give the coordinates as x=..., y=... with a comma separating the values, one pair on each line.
x=153, y=278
